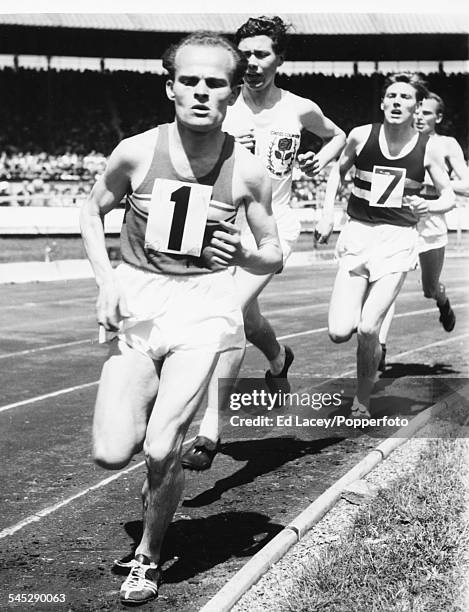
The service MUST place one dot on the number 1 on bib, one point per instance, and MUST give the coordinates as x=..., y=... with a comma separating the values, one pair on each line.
x=177, y=217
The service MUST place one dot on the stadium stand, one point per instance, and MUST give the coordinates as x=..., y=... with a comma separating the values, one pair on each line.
x=60, y=126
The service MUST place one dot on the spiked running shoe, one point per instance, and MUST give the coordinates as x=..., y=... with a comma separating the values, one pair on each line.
x=200, y=454
x=141, y=585
x=279, y=382
x=447, y=316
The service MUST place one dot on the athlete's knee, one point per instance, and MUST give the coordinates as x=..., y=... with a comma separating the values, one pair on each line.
x=368, y=330
x=338, y=332
x=111, y=456
x=162, y=449
x=339, y=337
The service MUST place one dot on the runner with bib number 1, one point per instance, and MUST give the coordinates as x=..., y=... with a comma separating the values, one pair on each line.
x=173, y=301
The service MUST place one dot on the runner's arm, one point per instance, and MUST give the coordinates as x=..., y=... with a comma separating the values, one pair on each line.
x=458, y=164
x=226, y=248
x=334, y=181
x=106, y=194
x=261, y=221
x=434, y=165
x=313, y=120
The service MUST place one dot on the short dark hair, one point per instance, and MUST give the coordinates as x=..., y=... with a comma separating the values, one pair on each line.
x=431, y=95
x=204, y=38
x=273, y=27
x=411, y=78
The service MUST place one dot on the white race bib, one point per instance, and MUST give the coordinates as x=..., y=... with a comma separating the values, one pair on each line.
x=387, y=187
x=177, y=217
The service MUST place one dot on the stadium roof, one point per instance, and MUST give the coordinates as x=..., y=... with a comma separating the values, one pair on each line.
x=303, y=23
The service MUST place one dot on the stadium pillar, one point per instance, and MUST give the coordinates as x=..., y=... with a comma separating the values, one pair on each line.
x=376, y=93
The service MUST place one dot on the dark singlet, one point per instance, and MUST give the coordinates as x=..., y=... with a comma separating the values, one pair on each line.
x=411, y=166
x=134, y=246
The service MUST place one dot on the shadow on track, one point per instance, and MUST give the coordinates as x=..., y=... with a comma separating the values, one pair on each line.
x=196, y=545
x=262, y=456
x=401, y=370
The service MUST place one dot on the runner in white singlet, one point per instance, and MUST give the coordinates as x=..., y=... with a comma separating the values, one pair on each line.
x=268, y=121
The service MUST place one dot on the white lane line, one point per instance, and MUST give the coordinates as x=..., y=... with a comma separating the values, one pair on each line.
x=39, y=398
x=49, y=347
x=411, y=313
x=55, y=321
x=322, y=304
x=306, y=332
x=37, y=516
x=409, y=294
x=404, y=353
x=402, y=295
x=51, y=509
x=266, y=294
x=47, y=303
x=431, y=345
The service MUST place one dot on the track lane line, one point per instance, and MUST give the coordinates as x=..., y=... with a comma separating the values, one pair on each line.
x=47, y=303
x=39, y=398
x=26, y=325
x=37, y=516
x=402, y=295
x=285, y=337
x=49, y=347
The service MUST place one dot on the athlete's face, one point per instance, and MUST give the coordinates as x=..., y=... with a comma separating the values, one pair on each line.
x=427, y=116
x=202, y=89
x=262, y=62
x=399, y=104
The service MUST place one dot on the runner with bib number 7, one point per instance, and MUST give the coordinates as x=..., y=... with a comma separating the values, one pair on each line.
x=379, y=243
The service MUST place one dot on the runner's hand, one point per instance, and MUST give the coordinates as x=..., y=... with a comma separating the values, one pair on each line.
x=324, y=229
x=248, y=140
x=225, y=247
x=111, y=307
x=309, y=163
x=418, y=206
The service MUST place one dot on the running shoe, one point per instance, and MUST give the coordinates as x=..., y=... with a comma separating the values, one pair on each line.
x=382, y=361
x=279, y=382
x=141, y=585
x=359, y=411
x=200, y=454
x=447, y=316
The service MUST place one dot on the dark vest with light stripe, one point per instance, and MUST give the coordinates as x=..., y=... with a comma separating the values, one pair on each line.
x=371, y=155
x=222, y=206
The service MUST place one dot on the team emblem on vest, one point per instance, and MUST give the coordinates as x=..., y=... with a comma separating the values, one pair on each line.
x=281, y=153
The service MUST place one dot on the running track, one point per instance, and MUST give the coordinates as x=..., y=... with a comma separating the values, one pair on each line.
x=64, y=520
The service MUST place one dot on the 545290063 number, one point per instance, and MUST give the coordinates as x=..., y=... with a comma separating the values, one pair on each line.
x=33, y=598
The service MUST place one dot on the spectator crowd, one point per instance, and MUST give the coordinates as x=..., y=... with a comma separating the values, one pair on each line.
x=60, y=126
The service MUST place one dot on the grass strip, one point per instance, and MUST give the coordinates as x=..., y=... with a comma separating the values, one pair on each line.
x=406, y=550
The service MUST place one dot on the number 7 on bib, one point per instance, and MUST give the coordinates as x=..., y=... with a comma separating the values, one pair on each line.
x=387, y=187
x=177, y=217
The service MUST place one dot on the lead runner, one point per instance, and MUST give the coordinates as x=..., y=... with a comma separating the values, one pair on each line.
x=172, y=301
